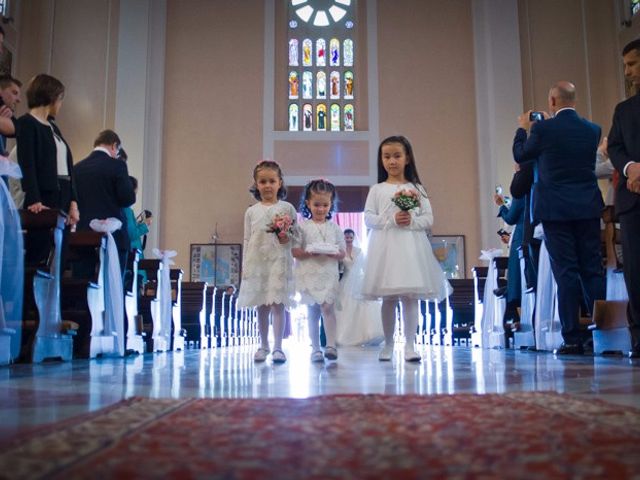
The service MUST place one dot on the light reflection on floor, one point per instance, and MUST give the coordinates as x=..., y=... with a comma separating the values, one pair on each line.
x=35, y=394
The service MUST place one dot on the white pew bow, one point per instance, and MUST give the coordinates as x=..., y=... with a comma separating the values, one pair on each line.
x=112, y=277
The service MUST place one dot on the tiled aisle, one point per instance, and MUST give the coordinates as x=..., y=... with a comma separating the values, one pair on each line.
x=36, y=394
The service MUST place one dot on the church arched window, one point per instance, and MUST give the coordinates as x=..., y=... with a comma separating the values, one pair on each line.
x=321, y=44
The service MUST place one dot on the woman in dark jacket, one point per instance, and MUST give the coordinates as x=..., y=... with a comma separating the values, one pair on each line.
x=45, y=160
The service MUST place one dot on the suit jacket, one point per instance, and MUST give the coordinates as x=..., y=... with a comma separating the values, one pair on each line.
x=624, y=147
x=37, y=156
x=521, y=184
x=565, y=147
x=104, y=190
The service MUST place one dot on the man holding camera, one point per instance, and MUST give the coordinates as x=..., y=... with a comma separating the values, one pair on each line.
x=568, y=203
x=624, y=152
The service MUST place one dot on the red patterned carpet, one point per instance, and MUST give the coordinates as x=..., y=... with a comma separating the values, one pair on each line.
x=518, y=435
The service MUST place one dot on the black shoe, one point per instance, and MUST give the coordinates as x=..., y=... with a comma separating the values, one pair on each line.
x=635, y=353
x=500, y=292
x=569, y=349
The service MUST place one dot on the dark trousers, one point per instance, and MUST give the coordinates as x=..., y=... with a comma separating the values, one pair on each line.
x=576, y=261
x=630, y=230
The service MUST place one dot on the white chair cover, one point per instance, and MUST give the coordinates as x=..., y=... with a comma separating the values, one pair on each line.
x=112, y=280
x=166, y=313
x=548, y=331
x=11, y=261
x=491, y=326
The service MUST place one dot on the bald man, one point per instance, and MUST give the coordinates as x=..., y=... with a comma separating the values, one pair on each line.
x=568, y=203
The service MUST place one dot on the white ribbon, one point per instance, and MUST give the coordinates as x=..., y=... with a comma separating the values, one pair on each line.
x=166, y=308
x=112, y=279
x=493, y=311
x=11, y=260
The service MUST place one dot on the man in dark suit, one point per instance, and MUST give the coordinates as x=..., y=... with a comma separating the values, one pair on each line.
x=624, y=152
x=104, y=189
x=568, y=202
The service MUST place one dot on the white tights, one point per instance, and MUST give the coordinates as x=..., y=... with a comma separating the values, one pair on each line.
x=410, y=314
x=313, y=317
x=277, y=315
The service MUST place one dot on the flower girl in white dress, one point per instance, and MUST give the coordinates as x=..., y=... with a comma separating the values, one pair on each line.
x=400, y=264
x=358, y=320
x=318, y=251
x=267, y=267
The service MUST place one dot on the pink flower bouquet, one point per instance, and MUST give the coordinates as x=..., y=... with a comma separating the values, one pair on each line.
x=406, y=199
x=281, y=225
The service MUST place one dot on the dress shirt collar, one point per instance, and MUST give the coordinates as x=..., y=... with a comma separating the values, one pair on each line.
x=102, y=149
x=563, y=109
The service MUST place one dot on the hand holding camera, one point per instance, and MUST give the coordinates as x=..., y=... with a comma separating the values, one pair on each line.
x=527, y=118
x=145, y=217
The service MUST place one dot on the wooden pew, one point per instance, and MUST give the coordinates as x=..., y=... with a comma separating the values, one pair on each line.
x=175, y=274
x=219, y=318
x=210, y=316
x=84, y=296
x=462, y=305
x=193, y=300
x=610, y=329
x=479, y=280
x=480, y=277
x=44, y=334
x=150, y=306
x=135, y=341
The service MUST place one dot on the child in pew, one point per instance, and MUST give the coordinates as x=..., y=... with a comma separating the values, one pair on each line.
x=400, y=264
x=267, y=266
x=317, y=251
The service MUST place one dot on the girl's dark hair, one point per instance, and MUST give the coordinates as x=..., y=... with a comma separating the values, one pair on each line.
x=318, y=186
x=410, y=171
x=134, y=182
x=348, y=230
x=270, y=164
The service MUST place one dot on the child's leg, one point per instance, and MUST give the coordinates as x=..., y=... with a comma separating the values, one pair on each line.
x=263, y=325
x=388, y=314
x=329, y=316
x=313, y=320
x=410, y=313
x=277, y=314
x=389, y=305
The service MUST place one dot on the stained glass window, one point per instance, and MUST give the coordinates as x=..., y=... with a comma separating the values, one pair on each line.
x=321, y=48
x=307, y=84
x=335, y=117
x=293, y=52
x=293, y=85
x=348, y=117
x=348, y=53
x=635, y=6
x=293, y=117
x=321, y=85
x=348, y=84
x=307, y=114
x=321, y=114
x=318, y=29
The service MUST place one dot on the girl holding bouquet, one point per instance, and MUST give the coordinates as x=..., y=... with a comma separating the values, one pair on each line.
x=267, y=267
x=318, y=251
x=400, y=264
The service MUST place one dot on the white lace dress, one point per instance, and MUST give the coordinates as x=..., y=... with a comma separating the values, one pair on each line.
x=400, y=260
x=317, y=277
x=267, y=266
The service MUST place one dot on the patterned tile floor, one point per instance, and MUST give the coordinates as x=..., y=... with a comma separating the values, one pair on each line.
x=31, y=395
